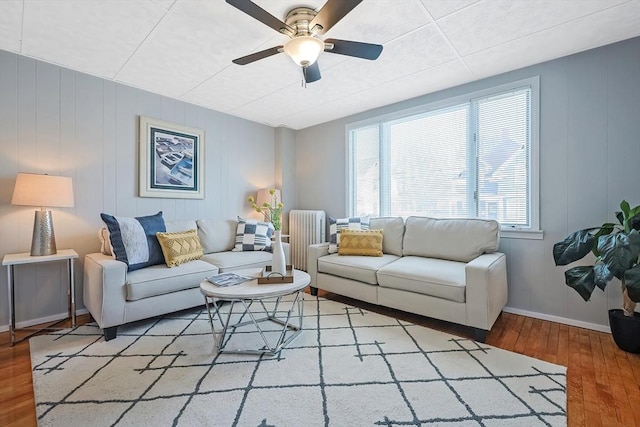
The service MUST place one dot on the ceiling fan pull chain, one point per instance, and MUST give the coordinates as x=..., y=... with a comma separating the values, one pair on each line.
x=304, y=77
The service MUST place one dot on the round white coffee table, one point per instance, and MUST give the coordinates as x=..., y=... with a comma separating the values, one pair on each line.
x=248, y=294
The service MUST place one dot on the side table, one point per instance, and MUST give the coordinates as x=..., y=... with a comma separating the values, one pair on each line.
x=11, y=260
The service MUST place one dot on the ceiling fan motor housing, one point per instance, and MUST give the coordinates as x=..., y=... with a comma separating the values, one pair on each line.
x=299, y=19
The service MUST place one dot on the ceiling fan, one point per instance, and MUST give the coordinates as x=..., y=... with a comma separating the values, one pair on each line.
x=303, y=25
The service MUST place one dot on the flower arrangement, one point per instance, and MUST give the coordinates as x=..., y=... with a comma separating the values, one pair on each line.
x=272, y=212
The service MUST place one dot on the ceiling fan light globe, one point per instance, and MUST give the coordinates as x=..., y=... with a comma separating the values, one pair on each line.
x=304, y=50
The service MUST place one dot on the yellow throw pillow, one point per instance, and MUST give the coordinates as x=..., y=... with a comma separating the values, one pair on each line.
x=360, y=242
x=180, y=247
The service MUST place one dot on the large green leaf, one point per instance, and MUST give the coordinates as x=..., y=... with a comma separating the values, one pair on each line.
x=582, y=280
x=624, y=205
x=629, y=218
x=632, y=282
x=607, y=228
x=619, y=251
x=574, y=247
x=602, y=275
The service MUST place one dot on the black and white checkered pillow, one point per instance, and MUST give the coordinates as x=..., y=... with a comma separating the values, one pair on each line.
x=253, y=235
x=335, y=225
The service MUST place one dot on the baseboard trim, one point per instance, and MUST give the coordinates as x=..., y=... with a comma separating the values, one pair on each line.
x=41, y=320
x=558, y=319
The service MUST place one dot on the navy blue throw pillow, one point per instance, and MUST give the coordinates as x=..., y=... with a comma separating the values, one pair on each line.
x=134, y=240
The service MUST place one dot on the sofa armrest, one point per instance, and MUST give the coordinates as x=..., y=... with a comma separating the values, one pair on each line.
x=486, y=293
x=105, y=289
x=314, y=252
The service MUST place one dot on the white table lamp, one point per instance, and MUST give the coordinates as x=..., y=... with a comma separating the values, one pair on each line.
x=44, y=191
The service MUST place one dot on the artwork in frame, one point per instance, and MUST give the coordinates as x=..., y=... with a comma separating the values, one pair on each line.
x=171, y=160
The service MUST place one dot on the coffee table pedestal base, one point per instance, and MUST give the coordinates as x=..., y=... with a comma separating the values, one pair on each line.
x=289, y=331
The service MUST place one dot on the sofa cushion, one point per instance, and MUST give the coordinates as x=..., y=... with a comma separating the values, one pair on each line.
x=238, y=260
x=134, y=241
x=356, y=267
x=217, y=235
x=361, y=242
x=435, y=277
x=180, y=225
x=160, y=279
x=451, y=239
x=335, y=225
x=393, y=228
x=180, y=247
x=253, y=235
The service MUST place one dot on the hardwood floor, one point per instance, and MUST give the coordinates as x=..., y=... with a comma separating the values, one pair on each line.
x=603, y=382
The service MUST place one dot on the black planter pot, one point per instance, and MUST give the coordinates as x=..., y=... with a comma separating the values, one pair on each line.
x=625, y=330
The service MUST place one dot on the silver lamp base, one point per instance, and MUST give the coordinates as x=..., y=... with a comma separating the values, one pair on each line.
x=44, y=240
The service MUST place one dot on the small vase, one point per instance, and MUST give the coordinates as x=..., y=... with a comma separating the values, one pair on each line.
x=278, y=263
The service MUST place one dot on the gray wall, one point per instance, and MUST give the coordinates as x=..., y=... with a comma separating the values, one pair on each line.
x=61, y=122
x=589, y=162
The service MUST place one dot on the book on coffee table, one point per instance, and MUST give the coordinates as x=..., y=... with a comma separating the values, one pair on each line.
x=228, y=279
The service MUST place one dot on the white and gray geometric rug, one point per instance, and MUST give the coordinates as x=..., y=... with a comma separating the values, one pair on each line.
x=349, y=367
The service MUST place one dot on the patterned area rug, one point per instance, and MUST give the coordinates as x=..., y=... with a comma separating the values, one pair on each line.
x=349, y=367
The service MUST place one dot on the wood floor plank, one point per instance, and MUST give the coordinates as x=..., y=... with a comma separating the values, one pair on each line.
x=606, y=403
x=521, y=344
x=625, y=364
x=589, y=386
x=621, y=402
x=551, y=349
x=513, y=333
x=603, y=382
x=562, y=355
x=575, y=395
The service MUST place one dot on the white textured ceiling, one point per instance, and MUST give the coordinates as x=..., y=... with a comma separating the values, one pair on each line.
x=183, y=48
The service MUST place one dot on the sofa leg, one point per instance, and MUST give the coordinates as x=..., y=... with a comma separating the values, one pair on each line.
x=314, y=291
x=480, y=335
x=110, y=333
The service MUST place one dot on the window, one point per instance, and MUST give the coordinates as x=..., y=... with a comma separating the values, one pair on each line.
x=472, y=156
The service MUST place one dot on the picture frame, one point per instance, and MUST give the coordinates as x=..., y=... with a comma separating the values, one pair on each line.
x=171, y=160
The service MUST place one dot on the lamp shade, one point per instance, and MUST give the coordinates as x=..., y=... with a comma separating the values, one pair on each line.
x=43, y=190
x=304, y=50
x=264, y=196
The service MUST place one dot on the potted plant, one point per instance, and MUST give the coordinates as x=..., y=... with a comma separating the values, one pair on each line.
x=617, y=250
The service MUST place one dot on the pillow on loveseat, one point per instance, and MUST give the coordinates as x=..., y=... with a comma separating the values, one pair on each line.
x=335, y=225
x=180, y=247
x=253, y=235
x=134, y=241
x=361, y=242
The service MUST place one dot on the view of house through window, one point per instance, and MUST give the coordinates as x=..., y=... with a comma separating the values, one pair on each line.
x=471, y=159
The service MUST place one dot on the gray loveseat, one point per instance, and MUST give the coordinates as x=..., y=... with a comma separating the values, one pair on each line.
x=442, y=268
x=115, y=296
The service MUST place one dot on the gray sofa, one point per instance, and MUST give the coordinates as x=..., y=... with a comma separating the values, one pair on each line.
x=114, y=296
x=442, y=268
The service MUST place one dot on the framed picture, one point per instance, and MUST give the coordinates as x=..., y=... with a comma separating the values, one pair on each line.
x=171, y=160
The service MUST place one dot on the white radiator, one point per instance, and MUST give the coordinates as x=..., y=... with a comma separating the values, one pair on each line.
x=305, y=228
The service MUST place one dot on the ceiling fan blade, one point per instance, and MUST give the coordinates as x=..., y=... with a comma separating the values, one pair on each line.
x=332, y=12
x=312, y=73
x=258, y=55
x=256, y=12
x=357, y=49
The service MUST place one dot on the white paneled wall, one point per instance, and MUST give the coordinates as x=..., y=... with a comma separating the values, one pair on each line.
x=61, y=122
x=589, y=157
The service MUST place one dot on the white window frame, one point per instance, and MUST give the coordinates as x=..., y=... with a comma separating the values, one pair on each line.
x=533, y=231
